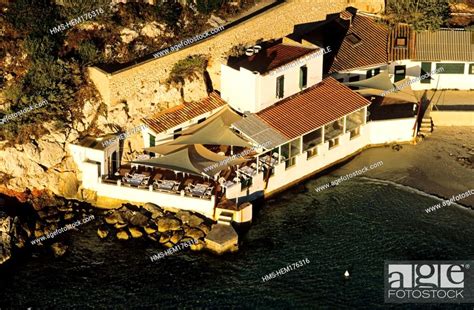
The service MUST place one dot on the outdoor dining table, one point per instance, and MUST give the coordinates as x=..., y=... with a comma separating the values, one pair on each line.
x=247, y=170
x=166, y=185
x=135, y=179
x=199, y=189
x=229, y=184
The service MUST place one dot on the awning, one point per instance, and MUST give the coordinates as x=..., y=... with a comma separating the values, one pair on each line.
x=178, y=161
x=225, y=115
x=165, y=148
x=380, y=81
x=381, y=85
x=194, y=159
x=215, y=133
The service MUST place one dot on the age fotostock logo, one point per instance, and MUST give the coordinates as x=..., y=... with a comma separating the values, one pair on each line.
x=429, y=282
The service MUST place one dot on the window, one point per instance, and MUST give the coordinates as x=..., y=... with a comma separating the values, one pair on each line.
x=353, y=39
x=450, y=68
x=280, y=86
x=354, y=120
x=425, y=69
x=311, y=141
x=372, y=72
x=333, y=129
x=152, y=140
x=303, y=77
x=471, y=69
x=201, y=120
x=401, y=42
x=152, y=143
x=400, y=72
x=177, y=133
x=289, y=152
x=354, y=79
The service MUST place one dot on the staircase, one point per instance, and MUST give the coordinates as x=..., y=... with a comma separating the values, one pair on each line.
x=225, y=218
x=426, y=126
x=426, y=123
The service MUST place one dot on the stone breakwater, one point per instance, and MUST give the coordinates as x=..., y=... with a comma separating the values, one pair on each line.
x=155, y=224
x=36, y=227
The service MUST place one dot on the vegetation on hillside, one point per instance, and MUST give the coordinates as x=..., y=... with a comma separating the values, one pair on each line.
x=422, y=14
x=187, y=67
x=36, y=64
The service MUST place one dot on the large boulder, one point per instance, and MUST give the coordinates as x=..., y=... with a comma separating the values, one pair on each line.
x=198, y=245
x=152, y=30
x=128, y=35
x=177, y=236
x=195, y=221
x=102, y=232
x=5, y=238
x=59, y=249
x=138, y=219
x=206, y=229
x=165, y=237
x=150, y=229
x=167, y=223
x=122, y=235
x=154, y=209
x=135, y=232
x=184, y=216
x=113, y=218
x=195, y=233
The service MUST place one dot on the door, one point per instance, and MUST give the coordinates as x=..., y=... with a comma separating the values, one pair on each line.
x=400, y=73
x=115, y=162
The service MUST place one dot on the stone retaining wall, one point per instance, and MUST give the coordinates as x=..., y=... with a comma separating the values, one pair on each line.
x=140, y=84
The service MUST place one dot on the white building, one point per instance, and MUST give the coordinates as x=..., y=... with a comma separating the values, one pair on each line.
x=278, y=71
x=287, y=124
x=449, y=53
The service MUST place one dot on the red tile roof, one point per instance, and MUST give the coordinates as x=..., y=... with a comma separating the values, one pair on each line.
x=272, y=57
x=399, y=52
x=312, y=108
x=175, y=116
x=371, y=50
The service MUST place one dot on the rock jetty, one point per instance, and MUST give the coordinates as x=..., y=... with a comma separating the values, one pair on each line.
x=154, y=223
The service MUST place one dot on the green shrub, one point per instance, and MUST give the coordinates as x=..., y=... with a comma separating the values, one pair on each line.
x=75, y=8
x=170, y=12
x=208, y=6
x=34, y=16
x=88, y=53
x=421, y=14
x=187, y=68
x=40, y=47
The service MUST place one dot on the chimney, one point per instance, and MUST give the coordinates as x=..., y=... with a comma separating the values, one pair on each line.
x=346, y=15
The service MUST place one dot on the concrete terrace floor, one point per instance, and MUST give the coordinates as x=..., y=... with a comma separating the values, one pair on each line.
x=453, y=99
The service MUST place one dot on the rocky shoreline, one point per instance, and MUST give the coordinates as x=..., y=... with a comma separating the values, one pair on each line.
x=154, y=223
x=35, y=228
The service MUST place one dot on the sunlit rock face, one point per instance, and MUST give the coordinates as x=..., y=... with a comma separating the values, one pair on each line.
x=5, y=238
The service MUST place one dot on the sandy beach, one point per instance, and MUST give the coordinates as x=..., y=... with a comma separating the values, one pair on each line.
x=442, y=164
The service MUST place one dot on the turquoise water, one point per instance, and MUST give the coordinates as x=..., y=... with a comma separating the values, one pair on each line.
x=355, y=226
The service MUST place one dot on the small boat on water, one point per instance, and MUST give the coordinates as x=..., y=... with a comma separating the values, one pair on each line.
x=346, y=274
